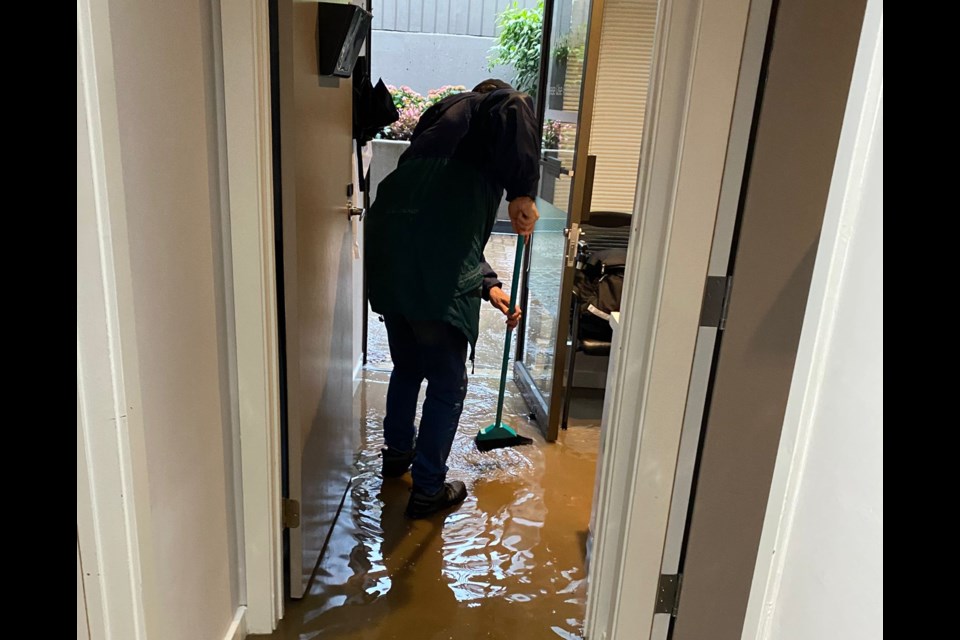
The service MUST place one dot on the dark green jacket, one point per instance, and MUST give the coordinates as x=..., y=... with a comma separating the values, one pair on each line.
x=433, y=215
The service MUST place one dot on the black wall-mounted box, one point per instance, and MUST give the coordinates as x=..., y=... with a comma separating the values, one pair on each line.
x=341, y=30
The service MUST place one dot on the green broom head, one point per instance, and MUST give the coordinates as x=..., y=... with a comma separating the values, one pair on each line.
x=496, y=436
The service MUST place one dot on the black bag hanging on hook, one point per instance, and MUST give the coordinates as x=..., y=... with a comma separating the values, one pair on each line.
x=373, y=107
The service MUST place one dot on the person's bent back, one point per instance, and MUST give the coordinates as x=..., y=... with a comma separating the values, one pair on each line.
x=434, y=214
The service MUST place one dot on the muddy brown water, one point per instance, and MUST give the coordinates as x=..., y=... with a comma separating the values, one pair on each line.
x=509, y=563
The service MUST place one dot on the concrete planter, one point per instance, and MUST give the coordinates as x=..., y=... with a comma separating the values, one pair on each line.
x=386, y=154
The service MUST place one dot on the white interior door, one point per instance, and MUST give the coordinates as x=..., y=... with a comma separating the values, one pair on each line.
x=315, y=157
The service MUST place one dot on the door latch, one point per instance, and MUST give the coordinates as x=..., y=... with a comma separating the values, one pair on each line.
x=354, y=212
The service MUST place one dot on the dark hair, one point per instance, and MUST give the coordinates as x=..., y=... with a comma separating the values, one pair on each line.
x=491, y=84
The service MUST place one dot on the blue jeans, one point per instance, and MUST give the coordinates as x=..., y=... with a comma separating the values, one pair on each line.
x=436, y=352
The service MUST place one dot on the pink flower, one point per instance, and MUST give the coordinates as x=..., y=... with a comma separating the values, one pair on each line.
x=410, y=105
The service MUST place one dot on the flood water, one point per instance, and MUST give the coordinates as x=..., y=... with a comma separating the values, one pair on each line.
x=509, y=563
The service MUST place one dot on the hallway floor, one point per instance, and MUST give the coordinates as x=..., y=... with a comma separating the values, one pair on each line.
x=508, y=563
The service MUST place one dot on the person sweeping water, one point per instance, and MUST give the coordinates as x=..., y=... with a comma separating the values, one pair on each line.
x=426, y=273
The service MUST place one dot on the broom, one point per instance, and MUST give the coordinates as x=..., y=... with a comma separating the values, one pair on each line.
x=498, y=434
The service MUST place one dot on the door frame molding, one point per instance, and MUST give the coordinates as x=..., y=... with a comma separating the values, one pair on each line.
x=246, y=77
x=114, y=542
x=694, y=80
x=114, y=528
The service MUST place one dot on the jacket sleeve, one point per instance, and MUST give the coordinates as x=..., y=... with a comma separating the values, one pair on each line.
x=514, y=143
x=489, y=278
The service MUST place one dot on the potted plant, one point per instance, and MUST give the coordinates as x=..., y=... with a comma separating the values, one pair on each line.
x=436, y=95
x=552, y=138
x=558, y=74
x=410, y=105
x=567, y=50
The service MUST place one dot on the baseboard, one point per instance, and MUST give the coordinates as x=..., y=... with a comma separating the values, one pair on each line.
x=238, y=628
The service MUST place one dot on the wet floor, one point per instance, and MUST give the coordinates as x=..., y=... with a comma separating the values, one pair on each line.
x=508, y=563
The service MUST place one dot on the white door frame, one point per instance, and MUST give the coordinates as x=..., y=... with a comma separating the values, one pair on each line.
x=113, y=512
x=246, y=78
x=687, y=132
x=758, y=23
x=723, y=236
x=113, y=499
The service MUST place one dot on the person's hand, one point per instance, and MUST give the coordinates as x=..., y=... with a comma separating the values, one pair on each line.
x=501, y=301
x=523, y=215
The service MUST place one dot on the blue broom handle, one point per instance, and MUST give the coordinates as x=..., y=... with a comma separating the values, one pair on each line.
x=517, y=265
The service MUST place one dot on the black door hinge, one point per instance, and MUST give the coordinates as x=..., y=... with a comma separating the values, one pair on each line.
x=668, y=593
x=291, y=514
x=716, y=302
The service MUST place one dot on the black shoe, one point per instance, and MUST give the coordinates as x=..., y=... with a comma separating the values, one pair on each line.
x=422, y=505
x=395, y=463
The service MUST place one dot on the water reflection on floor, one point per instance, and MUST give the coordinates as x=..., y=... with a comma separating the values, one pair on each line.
x=508, y=563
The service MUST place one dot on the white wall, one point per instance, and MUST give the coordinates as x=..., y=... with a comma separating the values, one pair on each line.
x=458, y=17
x=424, y=61
x=820, y=570
x=832, y=584
x=166, y=87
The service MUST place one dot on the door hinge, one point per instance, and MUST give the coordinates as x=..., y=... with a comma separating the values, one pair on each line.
x=291, y=514
x=716, y=302
x=668, y=593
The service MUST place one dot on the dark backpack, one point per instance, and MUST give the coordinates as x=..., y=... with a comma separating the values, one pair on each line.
x=599, y=285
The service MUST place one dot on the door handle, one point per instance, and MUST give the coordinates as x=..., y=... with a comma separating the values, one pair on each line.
x=354, y=212
x=355, y=215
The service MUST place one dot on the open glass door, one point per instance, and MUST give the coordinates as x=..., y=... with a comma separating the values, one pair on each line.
x=571, y=68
